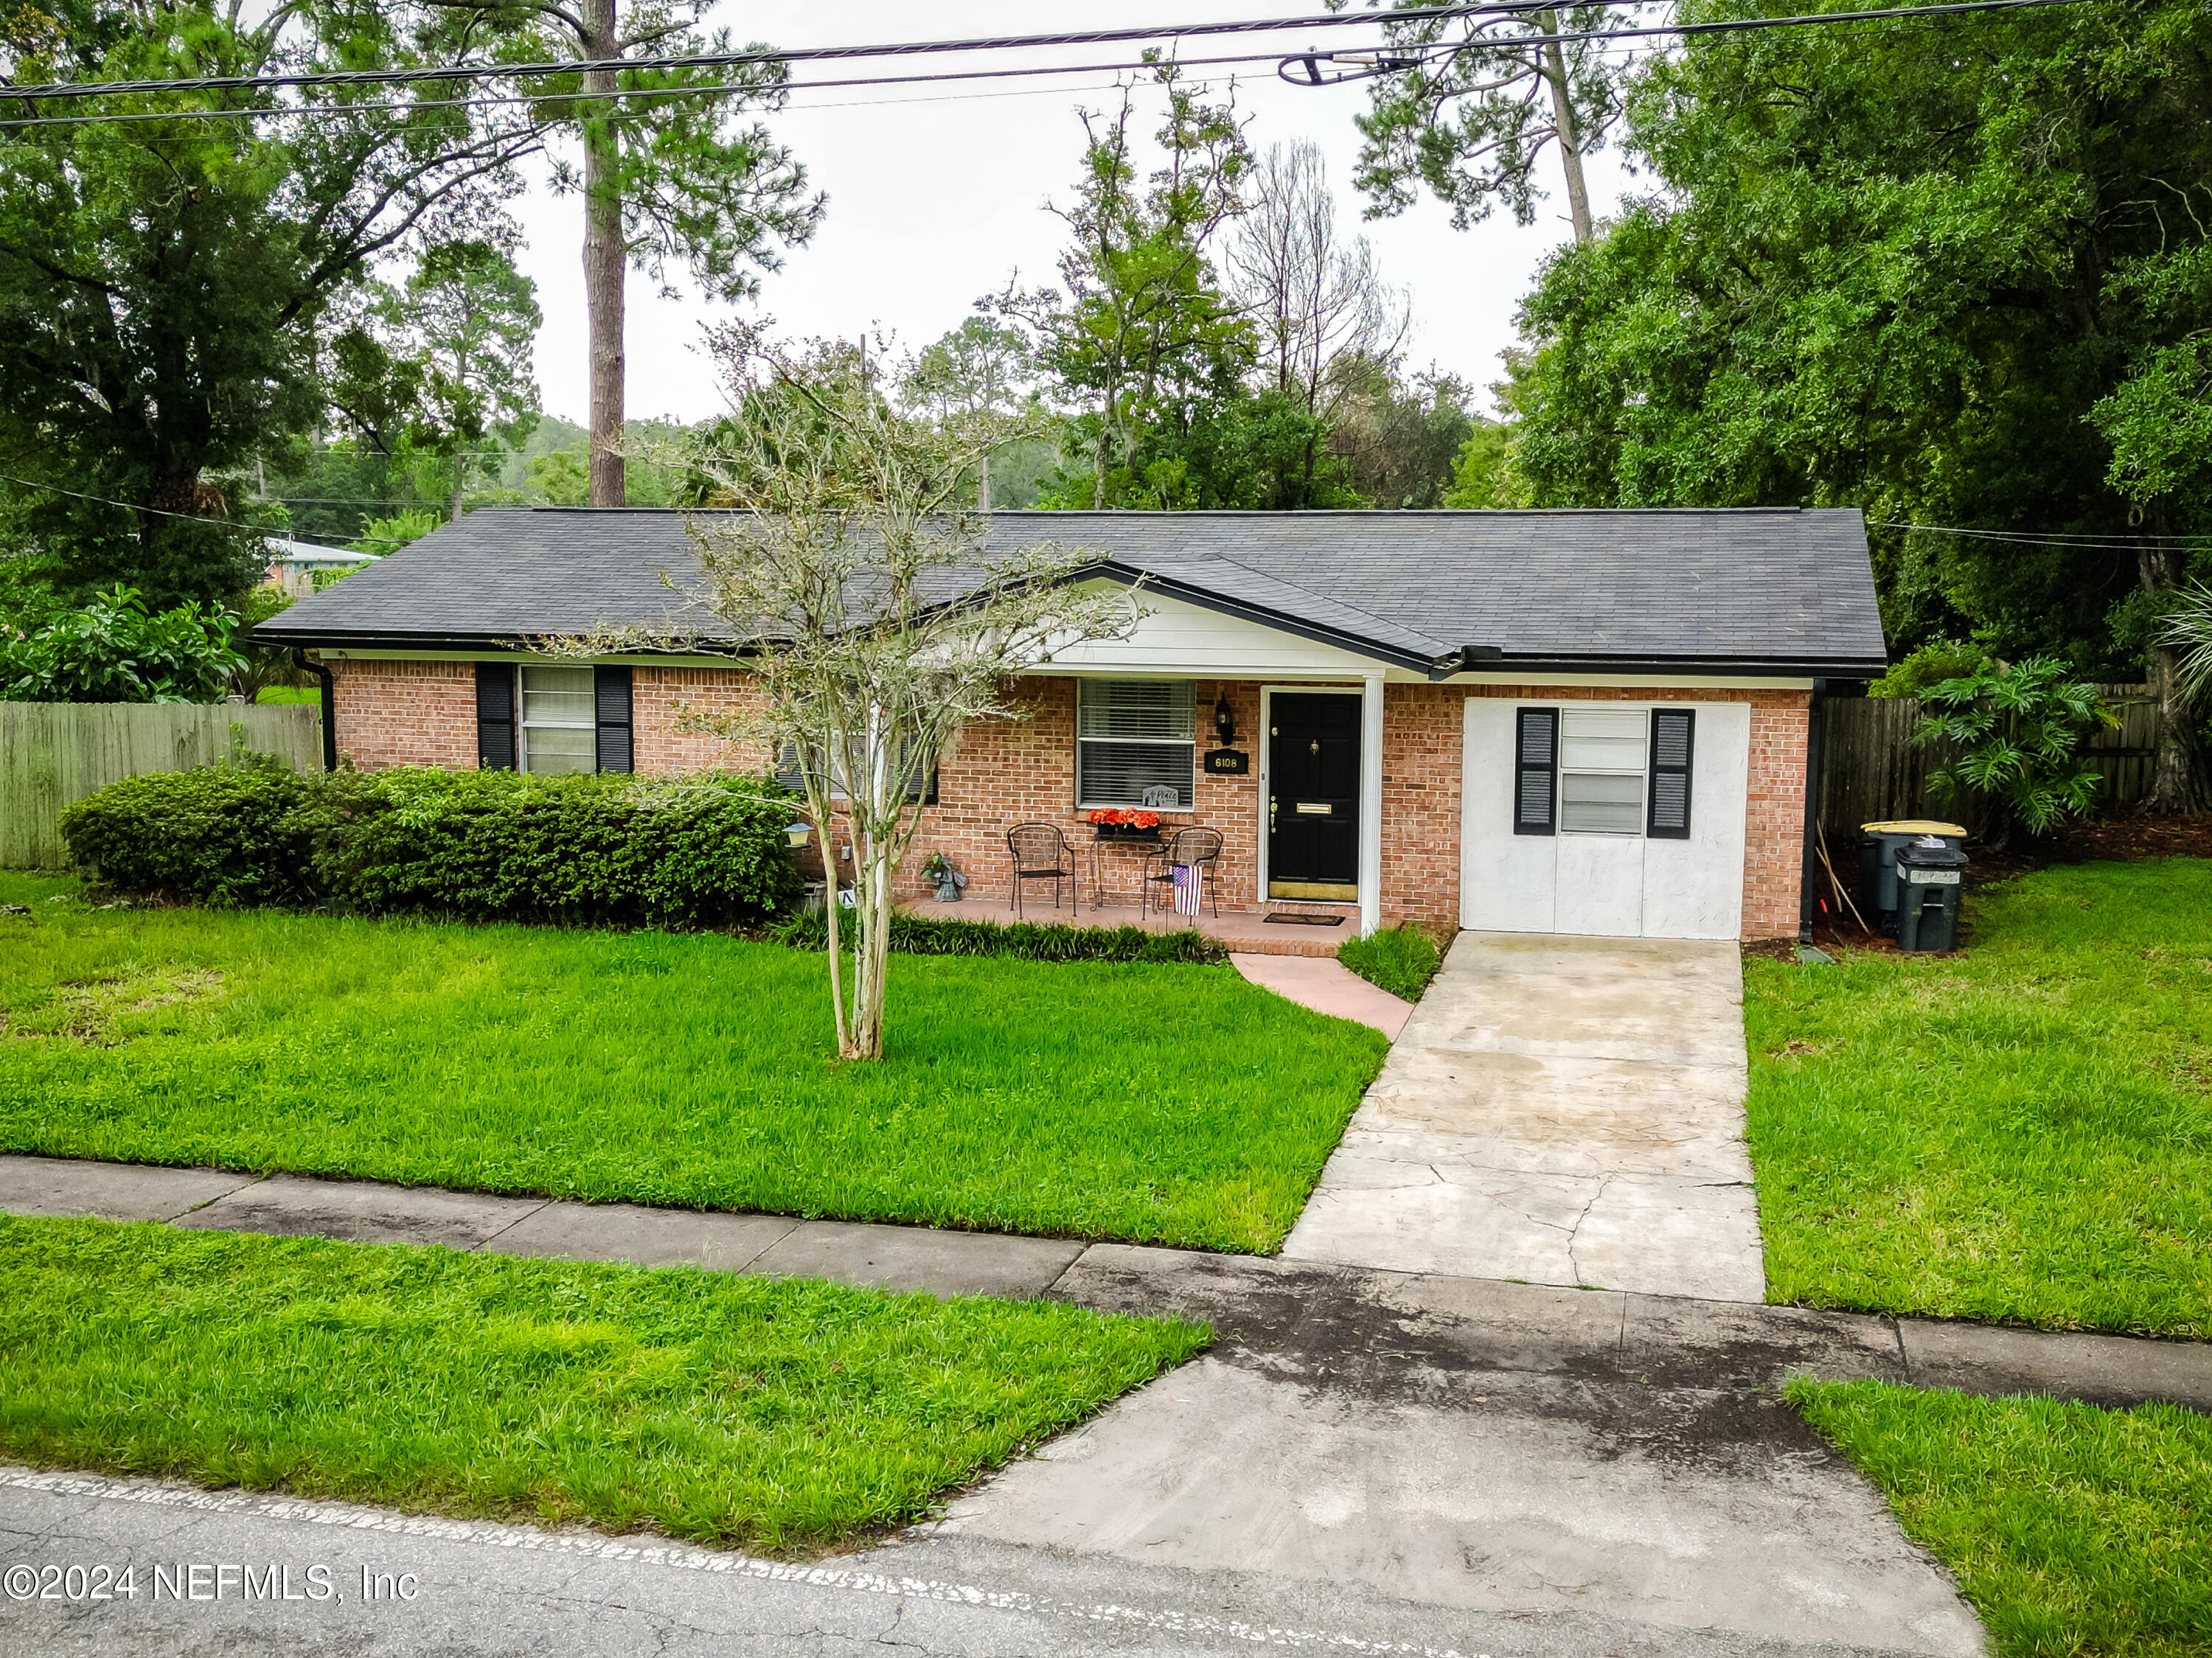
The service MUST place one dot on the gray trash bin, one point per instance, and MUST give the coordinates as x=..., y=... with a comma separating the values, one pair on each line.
x=1931, y=876
x=1878, y=861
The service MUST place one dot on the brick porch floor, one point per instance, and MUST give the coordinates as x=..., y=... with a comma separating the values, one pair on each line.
x=1248, y=931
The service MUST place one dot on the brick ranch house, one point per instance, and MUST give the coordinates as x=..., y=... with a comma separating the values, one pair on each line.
x=1590, y=722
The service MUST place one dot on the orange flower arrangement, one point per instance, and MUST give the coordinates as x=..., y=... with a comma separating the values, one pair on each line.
x=1124, y=817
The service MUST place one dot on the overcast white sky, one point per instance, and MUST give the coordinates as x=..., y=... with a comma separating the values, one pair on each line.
x=936, y=194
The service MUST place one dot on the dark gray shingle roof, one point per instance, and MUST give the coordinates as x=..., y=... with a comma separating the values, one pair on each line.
x=1753, y=589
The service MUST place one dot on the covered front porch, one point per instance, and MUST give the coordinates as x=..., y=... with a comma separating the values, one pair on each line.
x=1271, y=742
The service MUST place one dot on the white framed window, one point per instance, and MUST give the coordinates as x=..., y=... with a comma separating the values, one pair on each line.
x=1135, y=744
x=559, y=725
x=1604, y=758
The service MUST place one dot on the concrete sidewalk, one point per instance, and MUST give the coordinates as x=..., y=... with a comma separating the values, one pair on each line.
x=1528, y=1326
x=1364, y=1460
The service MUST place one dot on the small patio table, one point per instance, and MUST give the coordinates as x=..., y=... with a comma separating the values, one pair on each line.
x=1122, y=854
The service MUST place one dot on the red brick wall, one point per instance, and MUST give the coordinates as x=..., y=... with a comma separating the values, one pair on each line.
x=661, y=698
x=406, y=713
x=1005, y=771
x=1422, y=749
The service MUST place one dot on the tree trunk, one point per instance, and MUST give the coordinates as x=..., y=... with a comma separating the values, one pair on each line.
x=1098, y=456
x=1562, y=117
x=460, y=473
x=983, y=485
x=2178, y=770
x=605, y=260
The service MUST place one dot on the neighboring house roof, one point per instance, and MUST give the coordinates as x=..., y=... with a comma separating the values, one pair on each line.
x=1749, y=589
x=283, y=550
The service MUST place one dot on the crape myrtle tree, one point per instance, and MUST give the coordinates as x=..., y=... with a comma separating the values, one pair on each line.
x=162, y=280
x=1956, y=273
x=848, y=550
x=670, y=176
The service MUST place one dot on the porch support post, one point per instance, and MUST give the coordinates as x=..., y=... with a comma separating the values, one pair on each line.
x=1370, y=804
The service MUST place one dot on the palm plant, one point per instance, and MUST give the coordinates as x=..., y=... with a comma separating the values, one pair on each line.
x=2018, y=729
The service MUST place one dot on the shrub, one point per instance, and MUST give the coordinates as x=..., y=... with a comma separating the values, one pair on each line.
x=1401, y=959
x=240, y=832
x=114, y=650
x=1033, y=941
x=485, y=845
x=494, y=845
x=1931, y=664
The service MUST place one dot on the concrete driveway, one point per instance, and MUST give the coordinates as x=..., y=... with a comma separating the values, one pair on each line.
x=1558, y=1110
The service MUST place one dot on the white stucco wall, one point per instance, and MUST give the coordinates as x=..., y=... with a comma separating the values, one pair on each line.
x=1615, y=885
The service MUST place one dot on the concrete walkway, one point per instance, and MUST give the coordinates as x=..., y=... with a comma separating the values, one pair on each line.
x=1558, y=1110
x=1327, y=987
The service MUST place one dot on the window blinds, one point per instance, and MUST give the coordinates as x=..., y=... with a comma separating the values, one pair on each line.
x=1135, y=744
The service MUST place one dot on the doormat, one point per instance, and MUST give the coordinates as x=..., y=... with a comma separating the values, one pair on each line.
x=1305, y=921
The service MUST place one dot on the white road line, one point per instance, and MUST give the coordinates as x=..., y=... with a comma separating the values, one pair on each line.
x=686, y=1558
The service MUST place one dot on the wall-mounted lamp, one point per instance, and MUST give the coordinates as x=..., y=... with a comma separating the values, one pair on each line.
x=1225, y=722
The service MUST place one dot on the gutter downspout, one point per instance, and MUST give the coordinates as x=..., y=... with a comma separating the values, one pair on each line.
x=330, y=706
x=1814, y=722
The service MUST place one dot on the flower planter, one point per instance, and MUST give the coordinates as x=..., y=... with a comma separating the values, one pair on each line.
x=1124, y=832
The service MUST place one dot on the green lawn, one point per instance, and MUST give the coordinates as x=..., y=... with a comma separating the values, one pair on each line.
x=2076, y=1533
x=1400, y=959
x=2020, y=1134
x=769, y=1414
x=1154, y=1102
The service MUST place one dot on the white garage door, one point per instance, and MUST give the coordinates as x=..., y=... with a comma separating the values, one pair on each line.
x=1621, y=819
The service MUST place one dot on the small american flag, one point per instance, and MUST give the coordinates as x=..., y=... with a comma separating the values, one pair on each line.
x=1186, y=877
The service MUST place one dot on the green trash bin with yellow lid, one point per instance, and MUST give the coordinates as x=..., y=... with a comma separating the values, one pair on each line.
x=1878, y=859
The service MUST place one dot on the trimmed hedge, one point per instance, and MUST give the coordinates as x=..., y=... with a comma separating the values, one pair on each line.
x=483, y=846
x=228, y=834
x=1031, y=940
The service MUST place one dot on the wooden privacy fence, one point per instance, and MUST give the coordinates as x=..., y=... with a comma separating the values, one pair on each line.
x=52, y=753
x=1872, y=770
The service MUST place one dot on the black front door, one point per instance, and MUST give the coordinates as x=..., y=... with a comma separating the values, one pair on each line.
x=1313, y=796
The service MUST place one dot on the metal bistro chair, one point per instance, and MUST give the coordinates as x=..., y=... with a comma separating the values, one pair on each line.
x=1040, y=852
x=1187, y=848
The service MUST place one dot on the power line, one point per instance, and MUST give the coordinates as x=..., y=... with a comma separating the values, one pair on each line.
x=640, y=94
x=1397, y=60
x=2106, y=542
x=759, y=56
x=1380, y=61
x=264, y=531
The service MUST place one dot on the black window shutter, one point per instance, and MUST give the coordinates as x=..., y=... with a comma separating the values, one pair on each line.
x=495, y=716
x=786, y=768
x=920, y=785
x=1535, y=771
x=610, y=692
x=1671, y=733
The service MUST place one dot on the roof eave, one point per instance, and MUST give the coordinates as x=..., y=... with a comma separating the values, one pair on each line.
x=1264, y=615
x=1735, y=667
